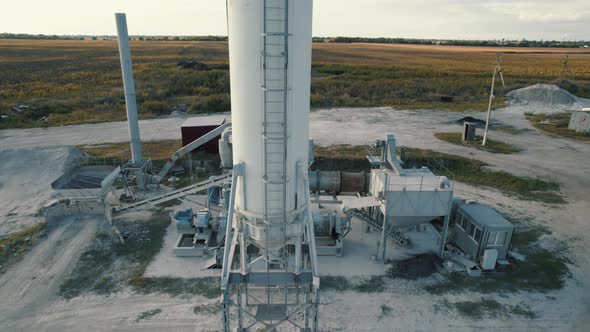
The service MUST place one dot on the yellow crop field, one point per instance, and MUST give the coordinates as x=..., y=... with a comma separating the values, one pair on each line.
x=68, y=82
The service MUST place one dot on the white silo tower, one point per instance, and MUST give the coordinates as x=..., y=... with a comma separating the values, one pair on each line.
x=272, y=251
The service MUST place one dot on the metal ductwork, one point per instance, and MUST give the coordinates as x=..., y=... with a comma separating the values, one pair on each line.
x=339, y=182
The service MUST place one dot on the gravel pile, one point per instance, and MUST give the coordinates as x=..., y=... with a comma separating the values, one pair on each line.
x=546, y=95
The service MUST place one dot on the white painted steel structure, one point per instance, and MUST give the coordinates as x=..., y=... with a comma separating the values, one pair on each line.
x=270, y=254
x=129, y=86
x=270, y=107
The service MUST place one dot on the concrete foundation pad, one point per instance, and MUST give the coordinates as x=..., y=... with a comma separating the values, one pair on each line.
x=168, y=264
x=186, y=248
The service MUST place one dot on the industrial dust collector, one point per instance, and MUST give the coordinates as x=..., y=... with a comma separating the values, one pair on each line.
x=269, y=259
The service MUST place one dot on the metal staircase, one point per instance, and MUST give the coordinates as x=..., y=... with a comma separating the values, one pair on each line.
x=396, y=236
x=174, y=194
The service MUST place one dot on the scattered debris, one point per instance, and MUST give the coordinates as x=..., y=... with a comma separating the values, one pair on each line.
x=20, y=108
x=386, y=311
x=148, y=314
x=211, y=308
x=517, y=256
x=180, y=108
x=446, y=99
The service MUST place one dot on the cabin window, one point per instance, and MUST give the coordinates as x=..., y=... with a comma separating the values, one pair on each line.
x=461, y=222
x=475, y=233
x=497, y=238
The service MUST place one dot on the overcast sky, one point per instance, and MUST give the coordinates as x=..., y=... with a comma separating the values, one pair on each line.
x=450, y=19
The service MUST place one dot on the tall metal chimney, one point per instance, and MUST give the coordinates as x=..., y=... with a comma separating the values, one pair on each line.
x=129, y=86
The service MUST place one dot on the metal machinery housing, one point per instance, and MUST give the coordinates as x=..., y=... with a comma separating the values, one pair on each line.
x=481, y=231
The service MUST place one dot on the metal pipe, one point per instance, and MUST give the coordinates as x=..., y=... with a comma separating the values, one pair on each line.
x=129, y=86
x=337, y=181
x=485, y=132
x=386, y=224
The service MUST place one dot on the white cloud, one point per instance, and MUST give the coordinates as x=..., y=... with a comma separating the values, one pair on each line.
x=466, y=19
x=543, y=11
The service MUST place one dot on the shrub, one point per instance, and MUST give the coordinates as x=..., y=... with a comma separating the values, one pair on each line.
x=211, y=104
x=154, y=107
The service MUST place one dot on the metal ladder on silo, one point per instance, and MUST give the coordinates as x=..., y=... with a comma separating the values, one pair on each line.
x=275, y=90
x=275, y=135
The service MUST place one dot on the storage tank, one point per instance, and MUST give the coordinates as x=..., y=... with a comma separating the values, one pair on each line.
x=270, y=56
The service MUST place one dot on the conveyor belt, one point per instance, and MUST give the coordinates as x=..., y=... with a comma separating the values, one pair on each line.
x=173, y=194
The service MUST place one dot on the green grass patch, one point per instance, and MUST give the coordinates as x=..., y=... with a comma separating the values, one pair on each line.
x=543, y=269
x=492, y=146
x=14, y=247
x=474, y=172
x=528, y=235
x=209, y=287
x=489, y=308
x=155, y=150
x=72, y=82
x=373, y=284
x=107, y=266
x=510, y=129
x=344, y=157
x=556, y=124
x=352, y=158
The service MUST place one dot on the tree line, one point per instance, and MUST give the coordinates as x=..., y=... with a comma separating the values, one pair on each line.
x=379, y=40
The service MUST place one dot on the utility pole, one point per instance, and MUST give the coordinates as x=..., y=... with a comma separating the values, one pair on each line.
x=497, y=70
x=565, y=70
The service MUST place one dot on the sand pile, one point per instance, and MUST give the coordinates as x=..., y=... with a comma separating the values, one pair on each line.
x=25, y=178
x=548, y=96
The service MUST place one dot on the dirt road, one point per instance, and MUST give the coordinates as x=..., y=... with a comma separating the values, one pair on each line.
x=31, y=285
x=562, y=160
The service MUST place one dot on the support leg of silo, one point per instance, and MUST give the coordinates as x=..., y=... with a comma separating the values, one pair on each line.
x=307, y=308
x=316, y=312
x=443, y=237
x=240, y=315
x=384, y=230
x=225, y=308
